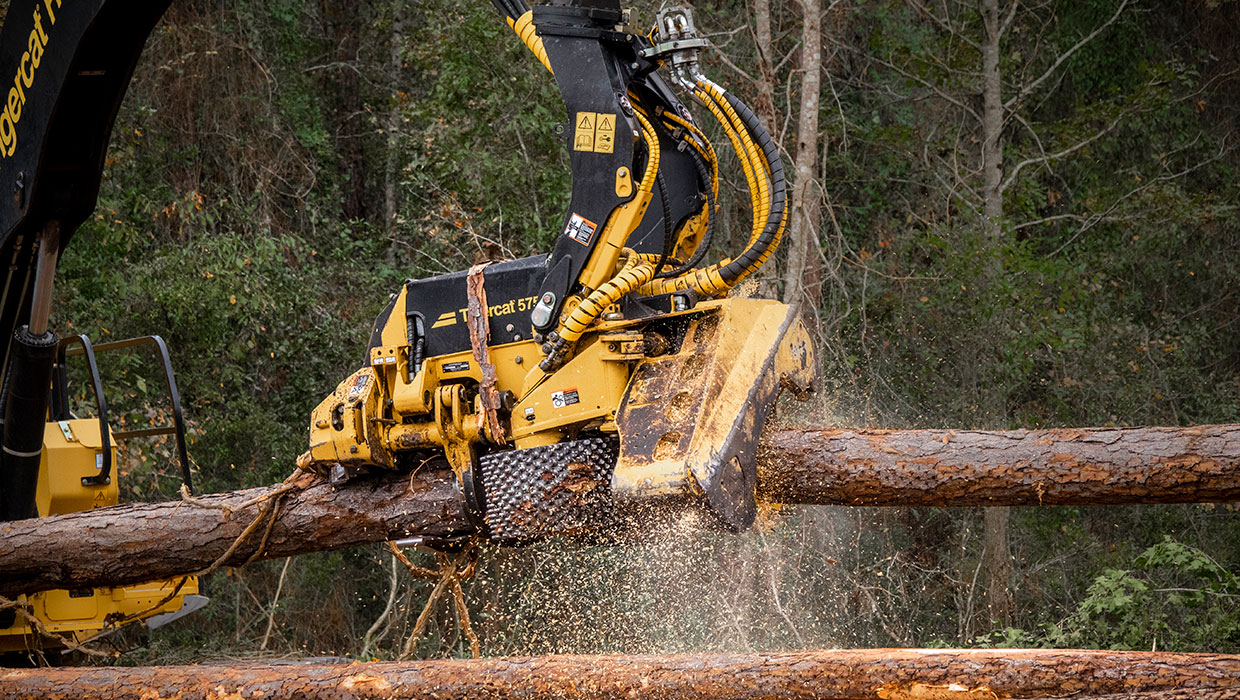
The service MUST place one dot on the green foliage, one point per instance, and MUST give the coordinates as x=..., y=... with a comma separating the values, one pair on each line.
x=1177, y=598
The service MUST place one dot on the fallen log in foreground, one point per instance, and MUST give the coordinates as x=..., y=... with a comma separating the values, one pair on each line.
x=134, y=543
x=869, y=674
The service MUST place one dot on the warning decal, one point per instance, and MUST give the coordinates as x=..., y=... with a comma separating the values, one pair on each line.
x=583, y=137
x=358, y=386
x=566, y=397
x=594, y=132
x=580, y=229
x=605, y=133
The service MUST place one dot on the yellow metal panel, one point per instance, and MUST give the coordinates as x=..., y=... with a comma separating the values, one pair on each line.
x=71, y=451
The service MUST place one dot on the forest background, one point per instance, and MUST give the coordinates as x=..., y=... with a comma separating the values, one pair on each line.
x=1007, y=215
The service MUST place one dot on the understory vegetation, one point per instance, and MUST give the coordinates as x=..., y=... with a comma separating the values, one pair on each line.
x=278, y=168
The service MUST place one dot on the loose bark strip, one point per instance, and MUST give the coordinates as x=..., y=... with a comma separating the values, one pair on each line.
x=1073, y=466
x=143, y=542
x=134, y=543
x=869, y=674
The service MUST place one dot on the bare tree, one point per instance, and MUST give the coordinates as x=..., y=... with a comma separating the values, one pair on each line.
x=802, y=283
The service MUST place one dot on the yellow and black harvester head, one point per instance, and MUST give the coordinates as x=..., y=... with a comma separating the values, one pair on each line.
x=616, y=373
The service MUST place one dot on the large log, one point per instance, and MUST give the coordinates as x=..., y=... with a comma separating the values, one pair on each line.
x=143, y=542
x=870, y=674
x=1059, y=467
x=133, y=543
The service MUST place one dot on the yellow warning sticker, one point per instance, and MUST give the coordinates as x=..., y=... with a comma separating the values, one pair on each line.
x=605, y=133
x=595, y=132
x=583, y=138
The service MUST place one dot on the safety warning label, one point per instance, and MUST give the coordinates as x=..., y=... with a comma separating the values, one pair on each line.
x=583, y=136
x=605, y=133
x=594, y=132
x=358, y=386
x=565, y=397
x=580, y=229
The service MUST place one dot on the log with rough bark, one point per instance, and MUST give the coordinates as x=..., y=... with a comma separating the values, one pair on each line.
x=134, y=543
x=1058, y=467
x=869, y=674
x=142, y=542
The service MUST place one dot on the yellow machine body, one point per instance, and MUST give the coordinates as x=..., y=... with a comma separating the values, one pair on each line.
x=612, y=372
x=73, y=449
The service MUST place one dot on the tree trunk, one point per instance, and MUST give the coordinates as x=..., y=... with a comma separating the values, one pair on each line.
x=396, y=52
x=134, y=543
x=997, y=563
x=867, y=674
x=340, y=23
x=992, y=123
x=765, y=104
x=1059, y=467
x=802, y=284
x=997, y=559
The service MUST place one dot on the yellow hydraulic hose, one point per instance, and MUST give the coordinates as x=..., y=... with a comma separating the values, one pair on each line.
x=708, y=281
x=734, y=125
x=524, y=27
x=702, y=145
x=635, y=273
x=651, y=173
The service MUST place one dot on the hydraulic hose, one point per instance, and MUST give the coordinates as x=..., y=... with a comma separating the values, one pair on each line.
x=635, y=273
x=761, y=249
x=768, y=194
x=524, y=27
x=704, y=244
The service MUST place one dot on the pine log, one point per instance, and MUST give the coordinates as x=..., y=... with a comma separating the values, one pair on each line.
x=1058, y=467
x=134, y=543
x=868, y=674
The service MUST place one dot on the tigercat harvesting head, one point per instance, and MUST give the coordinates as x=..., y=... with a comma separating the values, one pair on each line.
x=616, y=374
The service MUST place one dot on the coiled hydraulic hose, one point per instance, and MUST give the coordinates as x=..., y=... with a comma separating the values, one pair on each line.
x=634, y=273
x=703, y=244
x=524, y=27
x=764, y=174
x=760, y=250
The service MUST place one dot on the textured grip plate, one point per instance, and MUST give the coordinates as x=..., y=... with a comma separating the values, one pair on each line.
x=549, y=490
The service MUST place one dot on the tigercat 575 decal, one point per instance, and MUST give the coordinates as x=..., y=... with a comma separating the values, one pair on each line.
x=512, y=306
x=24, y=78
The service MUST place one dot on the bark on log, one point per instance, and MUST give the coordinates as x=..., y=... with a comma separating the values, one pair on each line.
x=142, y=542
x=869, y=674
x=1071, y=466
x=134, y=543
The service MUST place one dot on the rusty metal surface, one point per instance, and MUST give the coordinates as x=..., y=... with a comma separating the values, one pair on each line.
x=479, y=340
x=865, y=674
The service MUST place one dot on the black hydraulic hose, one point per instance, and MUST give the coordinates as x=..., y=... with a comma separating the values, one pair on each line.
x=668, y=243
x=24, y=415
x=779, y=192
x=508, y=8
x=702, y=247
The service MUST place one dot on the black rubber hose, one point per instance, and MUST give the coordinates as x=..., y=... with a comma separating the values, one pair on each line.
x=25, y=414
x=779, y=192
x=668, y=243
x=702, y=247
